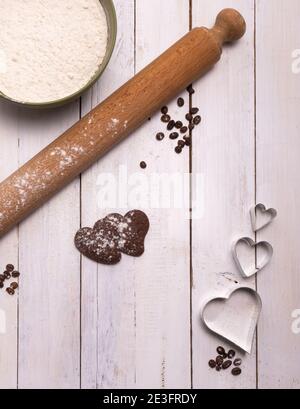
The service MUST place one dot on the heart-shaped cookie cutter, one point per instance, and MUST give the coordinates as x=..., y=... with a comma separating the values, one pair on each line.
x=272, y=213
x=257, y=265
x=234, y=316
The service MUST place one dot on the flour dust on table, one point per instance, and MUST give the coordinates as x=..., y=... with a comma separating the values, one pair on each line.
x=51, y=49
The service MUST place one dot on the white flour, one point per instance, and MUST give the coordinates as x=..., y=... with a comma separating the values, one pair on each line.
x=49, y=49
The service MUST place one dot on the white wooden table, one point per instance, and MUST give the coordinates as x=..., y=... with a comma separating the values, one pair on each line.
x=78, y=324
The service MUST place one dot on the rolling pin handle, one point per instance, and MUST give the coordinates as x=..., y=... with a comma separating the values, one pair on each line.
x=230, y=26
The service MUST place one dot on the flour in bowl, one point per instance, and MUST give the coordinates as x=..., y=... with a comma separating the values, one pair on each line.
x=50, y=49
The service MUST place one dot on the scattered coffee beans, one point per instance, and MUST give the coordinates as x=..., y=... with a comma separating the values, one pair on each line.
x=184, y=129
x=212, y=364
x=7, y=274
x=197, y=120
x=174, y=135
x=221, y=361
x=171, y=125
x=236, y=371
x=221, y=351
x=143, y=165
x=165, y=118
x=160, y=136
x=180, y=102
x=14, y=285
x=226, y=364
x=237, y=362
x=10, y=291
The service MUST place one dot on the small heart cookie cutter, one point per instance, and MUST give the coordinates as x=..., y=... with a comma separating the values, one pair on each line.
x=272, y=213
x=249, y=271
x=234, y=316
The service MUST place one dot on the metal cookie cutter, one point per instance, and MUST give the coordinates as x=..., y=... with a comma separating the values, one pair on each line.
x=248, y=269
x=234, y=316
x=269, y=214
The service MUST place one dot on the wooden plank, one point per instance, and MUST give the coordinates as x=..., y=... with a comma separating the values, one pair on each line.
x=139, y=310
x=162, y=277
x=49, y=306
x=278, y=124
x=107, y=292
x=8, y=253
x=223, y=161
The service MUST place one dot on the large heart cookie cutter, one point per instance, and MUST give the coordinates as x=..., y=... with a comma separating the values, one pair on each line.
x=254, y=266
x=260, y=208
x=234, y=316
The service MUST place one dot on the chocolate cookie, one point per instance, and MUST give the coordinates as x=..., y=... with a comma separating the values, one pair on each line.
x=133, y=230
x=112, y=235
x=97, y=245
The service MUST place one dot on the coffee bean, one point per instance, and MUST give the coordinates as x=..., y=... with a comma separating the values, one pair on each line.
x=191, y=127
x=231, y=354
x=184, y=129
x=178, y=125
x=174, y=135
x=165, y=118
x=221, y=351
x=7, y=275
x=2, y=277
x=171, y=125
x=194, y=111
x=15, y=274
x=212, y=363
x=10, y=267
x=181, y=144
x=219, y=360
x=143, y=165
x=188, y=140
x=197, y=120
x=236, y=371
x=180, y=102
x=160, y=136
x=1, y=284
x=178, y=149
x=226, y=364
x=190, y=89
x=189, y=117
x=10, y=291
x=14, y=285
x=237, y=362
x=164, y=110
x=218, y=368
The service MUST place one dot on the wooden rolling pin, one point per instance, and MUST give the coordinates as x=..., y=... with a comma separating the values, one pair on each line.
x=118, y=116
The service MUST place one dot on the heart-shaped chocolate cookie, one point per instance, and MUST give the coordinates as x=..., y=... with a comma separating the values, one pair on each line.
x=245, y=260
x=261, y=216
x=234, y=317
x=113, y=235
